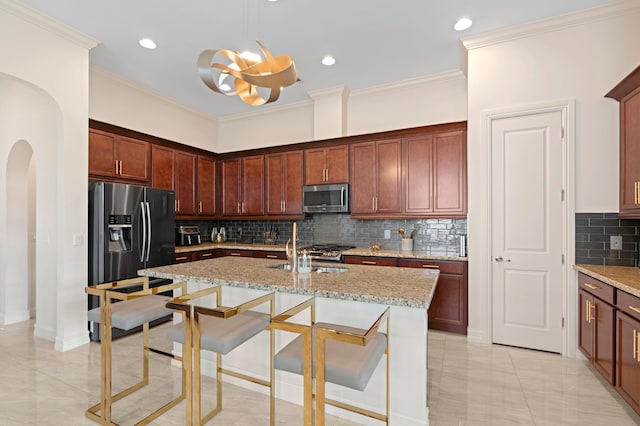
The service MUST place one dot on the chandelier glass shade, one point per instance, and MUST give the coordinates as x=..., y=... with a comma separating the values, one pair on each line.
x=272, y=73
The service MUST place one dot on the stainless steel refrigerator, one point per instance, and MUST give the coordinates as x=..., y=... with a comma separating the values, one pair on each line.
x=130, y=228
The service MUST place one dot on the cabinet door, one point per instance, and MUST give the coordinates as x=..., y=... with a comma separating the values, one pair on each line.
x=418, y=185
x=253, y=185
x=185, y=179
x=231, y=179
x=314, y=168
x=162, y=167
x=586, y=329
x=604, y=354
x=337, y=164
x=627, y=359
x=363, y=178
x=102, y=161
x=388, y=177
x=275, y=181
x=293, y=183
x=629, y=154
x=134, y=158
x=206, y=186
x=450, y=173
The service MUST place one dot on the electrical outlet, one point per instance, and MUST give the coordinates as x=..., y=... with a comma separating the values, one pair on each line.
x=616, y=242
x=387, y=234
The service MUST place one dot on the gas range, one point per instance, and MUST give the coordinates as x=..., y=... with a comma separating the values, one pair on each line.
x=327, y=252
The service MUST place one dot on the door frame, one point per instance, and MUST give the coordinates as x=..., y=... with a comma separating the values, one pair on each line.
x=569, y=292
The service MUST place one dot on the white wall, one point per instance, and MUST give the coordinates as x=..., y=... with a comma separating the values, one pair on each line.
x=125, y=104
x=44, y=101
x=580, y=59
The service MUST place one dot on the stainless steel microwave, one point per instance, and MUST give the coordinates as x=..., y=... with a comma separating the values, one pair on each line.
x=332, y=198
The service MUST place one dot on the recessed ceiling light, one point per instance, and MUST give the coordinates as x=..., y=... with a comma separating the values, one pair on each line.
x=147, y=43
x=462, y=24
x=328, y=60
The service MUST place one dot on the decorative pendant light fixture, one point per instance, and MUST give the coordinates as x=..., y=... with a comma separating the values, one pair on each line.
x=273, y=73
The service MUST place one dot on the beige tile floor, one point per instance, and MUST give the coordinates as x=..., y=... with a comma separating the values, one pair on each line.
x=468, y=384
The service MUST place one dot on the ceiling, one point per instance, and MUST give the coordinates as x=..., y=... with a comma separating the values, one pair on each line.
x=374, y=42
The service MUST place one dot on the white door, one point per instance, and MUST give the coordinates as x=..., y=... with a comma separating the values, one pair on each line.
x=527, y=241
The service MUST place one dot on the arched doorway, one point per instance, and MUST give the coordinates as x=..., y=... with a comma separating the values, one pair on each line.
x=20, y=283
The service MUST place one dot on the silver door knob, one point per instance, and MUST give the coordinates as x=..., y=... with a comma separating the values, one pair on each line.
x=501, y=259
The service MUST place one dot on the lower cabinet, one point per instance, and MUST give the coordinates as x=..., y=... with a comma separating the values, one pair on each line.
x=596, y=338
x=628, y=349
x=268, y=254
x=449, y=306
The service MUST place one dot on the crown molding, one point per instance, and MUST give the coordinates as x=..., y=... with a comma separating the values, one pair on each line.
x=594, y=14
x=93, y=69
x=437, y=78
x=48, y=24
x=270, y=110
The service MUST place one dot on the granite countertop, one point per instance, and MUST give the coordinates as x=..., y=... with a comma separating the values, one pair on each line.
x=409, y=287
x=625, y=278
x=352, y=252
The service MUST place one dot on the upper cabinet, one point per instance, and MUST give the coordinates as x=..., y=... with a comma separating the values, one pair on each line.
x=243, y=186
x=627, y=92
x=435, y=168
x=423, y=175
x=284, y=183
x=176, y=170
x=118, y=157
x=206, y=186
x=326, y=165
x=376, y=178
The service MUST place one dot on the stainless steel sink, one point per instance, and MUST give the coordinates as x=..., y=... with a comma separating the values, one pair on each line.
x=317, y=269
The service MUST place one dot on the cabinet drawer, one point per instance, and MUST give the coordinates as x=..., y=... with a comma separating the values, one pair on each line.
x=629, y=304
x=237, y=253
x=597, y=288
x=263, y=254
x=371, y=260
x=203, y=254
x=182, y=257
x=456, y=268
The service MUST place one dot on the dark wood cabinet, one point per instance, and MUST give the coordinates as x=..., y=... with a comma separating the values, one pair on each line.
x=596, y=336
x=435, y=168
x=376, y=178
x=449, y=306
x=270, y=254
x=118, y=158
x=326, y=165
x=235, y=252
x=206, y=186
x=627, y=92
x=243, y=186
x=371, y=260
x=284, y=183
x=183, y=257
x=628, y=349
x=176, y=170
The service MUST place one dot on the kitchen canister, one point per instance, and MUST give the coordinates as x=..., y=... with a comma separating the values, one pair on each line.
x=406, y=244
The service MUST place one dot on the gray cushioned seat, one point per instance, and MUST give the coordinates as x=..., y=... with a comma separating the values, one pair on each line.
x=223, y=335
x=345, y=364
x=128, y=314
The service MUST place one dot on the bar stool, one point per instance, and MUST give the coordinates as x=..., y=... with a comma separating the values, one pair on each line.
x=343, y=355
x=132, y=310
x=221, y=329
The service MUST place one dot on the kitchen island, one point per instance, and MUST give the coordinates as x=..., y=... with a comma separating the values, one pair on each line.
x=354, y=297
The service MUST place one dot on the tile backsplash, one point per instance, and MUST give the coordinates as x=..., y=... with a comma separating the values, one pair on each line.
x=436, y=236
x=593, y=236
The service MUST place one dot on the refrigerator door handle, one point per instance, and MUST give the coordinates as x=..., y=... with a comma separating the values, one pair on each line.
x=149, y=233
x=144, y=231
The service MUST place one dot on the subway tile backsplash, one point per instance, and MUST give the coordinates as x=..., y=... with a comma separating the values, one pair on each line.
x=593, y=236
x=435, y=236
